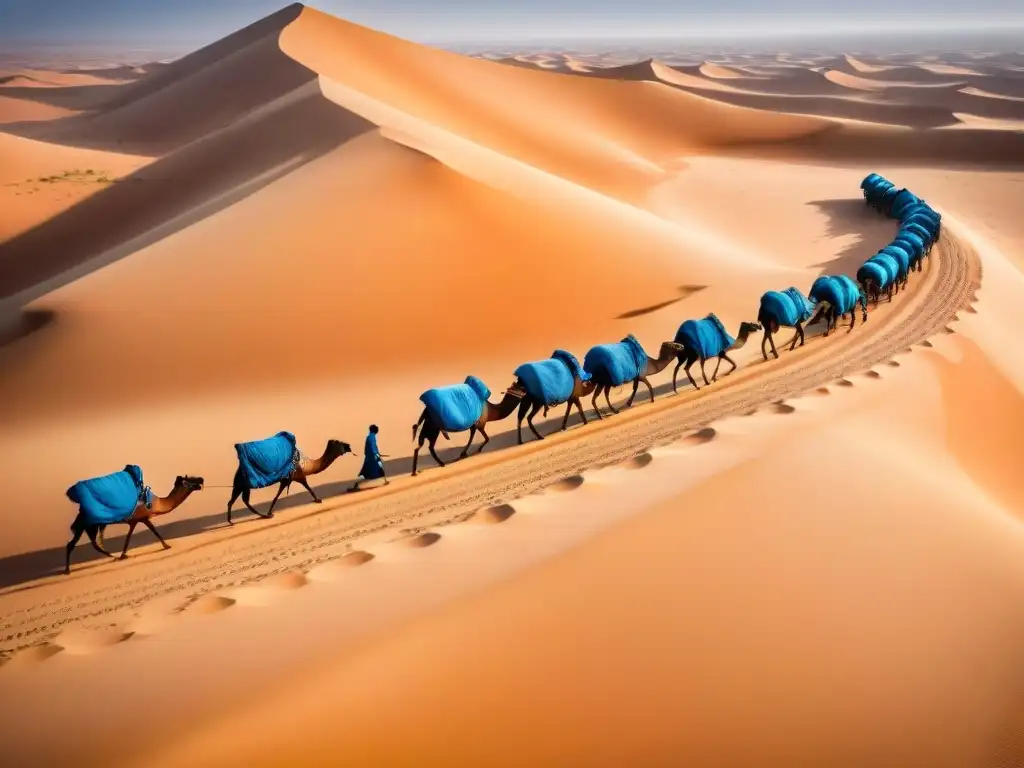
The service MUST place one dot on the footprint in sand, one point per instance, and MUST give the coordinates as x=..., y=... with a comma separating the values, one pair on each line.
x=422, y=540
x=639, y=461
x=33, y=655
x=499, y=513
x=211, y=604
x=872, y=374
x=700, y=437
x=947, y=329
x=335, y=569
x=570, y=483
x=82, y=641
x=821, y=392
x=844, y=383
x=926, y=343
x=893, y=363
x=783, y=408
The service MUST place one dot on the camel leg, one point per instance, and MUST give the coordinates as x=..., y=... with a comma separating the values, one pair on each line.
x=472, y=434
x=675, y=373
x=798, y=335
x=703, y=372
x=128, y=538
x=246, y=495
x=523, y=407
x=579, y=407
x=764, y=344
x=771, y=340
x=486, y=440
x=729, y=360
x=593, y=402
x=568, y=412
x=93, y=532
x=433, y=452
x=636, y=386
x=608, y=399
x=284, y=484
x=853, y=317
x=529, y=420
x=718, y=364
x=302, y=481
x=689, y=375
x=149, y=524
x=235, y=493
x=70, y=547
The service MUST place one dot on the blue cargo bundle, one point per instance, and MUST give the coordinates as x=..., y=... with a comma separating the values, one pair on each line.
x=111, y=498
x=617, y=363
x=457, y=407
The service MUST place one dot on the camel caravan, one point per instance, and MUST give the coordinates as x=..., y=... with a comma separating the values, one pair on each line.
x=123, y=498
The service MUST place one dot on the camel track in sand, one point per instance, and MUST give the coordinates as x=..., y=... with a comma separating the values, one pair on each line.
x=294, y=541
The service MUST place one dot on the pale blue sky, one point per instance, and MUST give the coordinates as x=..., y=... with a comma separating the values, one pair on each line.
x=196, y=22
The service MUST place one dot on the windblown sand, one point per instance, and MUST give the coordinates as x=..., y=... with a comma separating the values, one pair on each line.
x=814, y=561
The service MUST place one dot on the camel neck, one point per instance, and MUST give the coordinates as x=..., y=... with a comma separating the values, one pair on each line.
x=315, y=466
x=503, y=409
x=164, y=504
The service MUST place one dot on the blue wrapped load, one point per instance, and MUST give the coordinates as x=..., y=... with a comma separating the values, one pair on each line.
x=929, y=225
x=551, y=381
x=919, y=210
x=928, y=236
x=852, y=292
x=111, y=498
x=872, y=272
x=707, y=337
x=886, y=198
x=828, y=289
x=616, y=363
x=901, y=256
x=871, y=180
x=903, y=199
x=457, y=407
x=911, y=243
x=787, y=307
x=268, y=461
x=888, y=263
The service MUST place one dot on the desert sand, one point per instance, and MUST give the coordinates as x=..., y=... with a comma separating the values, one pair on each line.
x=815, y=560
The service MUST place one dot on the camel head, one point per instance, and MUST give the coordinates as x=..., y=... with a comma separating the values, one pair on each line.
x=338, y=448
x=673, y=346
x=749, y=327
x=189, y=483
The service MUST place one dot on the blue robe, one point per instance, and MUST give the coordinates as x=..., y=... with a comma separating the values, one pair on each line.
x=373, y=465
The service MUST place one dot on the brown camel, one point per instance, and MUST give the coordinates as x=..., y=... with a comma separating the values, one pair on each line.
x=529, y=407
x=690, y=356
x=669, y=350
x=303, y=469
x=431, y=430
x=184, y=485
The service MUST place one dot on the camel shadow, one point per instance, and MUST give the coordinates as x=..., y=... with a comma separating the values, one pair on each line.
x=851, y=217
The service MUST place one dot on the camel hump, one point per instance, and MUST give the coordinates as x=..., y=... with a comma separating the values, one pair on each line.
x=571, y=363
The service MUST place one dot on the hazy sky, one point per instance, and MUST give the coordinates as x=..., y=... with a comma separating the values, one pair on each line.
x=196, y=22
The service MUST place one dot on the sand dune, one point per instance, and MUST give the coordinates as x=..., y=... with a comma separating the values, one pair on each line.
x=306, y=224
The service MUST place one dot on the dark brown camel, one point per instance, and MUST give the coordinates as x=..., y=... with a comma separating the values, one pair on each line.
x=184, y=485
x=239, y=487
x=691, y=356
x=431, y=430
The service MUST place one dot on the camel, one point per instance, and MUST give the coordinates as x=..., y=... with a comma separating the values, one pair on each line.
x=690, y=356
x=768, y=317
x=530, y=406
x=431, y=430
x=303, y=469
x=184, y=485
x=669, y=350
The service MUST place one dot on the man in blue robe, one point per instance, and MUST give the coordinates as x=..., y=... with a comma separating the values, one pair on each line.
x=373, y=460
